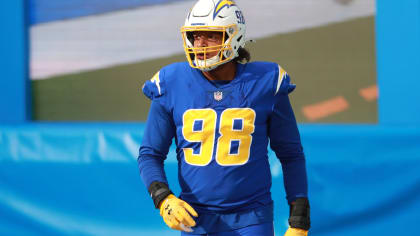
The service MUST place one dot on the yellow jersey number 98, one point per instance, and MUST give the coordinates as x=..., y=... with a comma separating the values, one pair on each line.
x=228, y=133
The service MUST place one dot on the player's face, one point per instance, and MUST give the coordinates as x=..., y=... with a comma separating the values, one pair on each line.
x=207, y=39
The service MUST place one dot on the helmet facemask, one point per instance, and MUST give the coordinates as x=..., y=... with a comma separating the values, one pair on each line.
x=225, y=53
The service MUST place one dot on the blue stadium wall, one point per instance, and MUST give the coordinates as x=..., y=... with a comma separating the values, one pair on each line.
x=82, y=178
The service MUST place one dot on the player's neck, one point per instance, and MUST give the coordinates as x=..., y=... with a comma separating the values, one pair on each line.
x=223, y=72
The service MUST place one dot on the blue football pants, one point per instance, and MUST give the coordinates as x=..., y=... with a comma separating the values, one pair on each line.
x=265, y=229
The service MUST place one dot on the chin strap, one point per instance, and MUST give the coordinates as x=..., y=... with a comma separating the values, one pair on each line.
x=212, y=60
x=300, y=214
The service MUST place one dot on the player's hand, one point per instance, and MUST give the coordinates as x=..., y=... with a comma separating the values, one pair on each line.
x=177, y=214
x=296, y=232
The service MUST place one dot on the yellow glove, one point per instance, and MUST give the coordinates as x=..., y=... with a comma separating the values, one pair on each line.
x=176, y=213
x=296, y=232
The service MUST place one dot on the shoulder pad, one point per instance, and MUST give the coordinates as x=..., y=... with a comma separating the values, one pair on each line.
x=283, y=86
x=153, y=88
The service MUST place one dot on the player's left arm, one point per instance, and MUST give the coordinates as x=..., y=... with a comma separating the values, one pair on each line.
x=285, y=142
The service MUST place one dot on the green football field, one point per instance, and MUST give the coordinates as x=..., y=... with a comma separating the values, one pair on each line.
x=325, y=62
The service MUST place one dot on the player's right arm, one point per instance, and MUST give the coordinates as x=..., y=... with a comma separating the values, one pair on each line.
x=157, y=138
x=156, y=141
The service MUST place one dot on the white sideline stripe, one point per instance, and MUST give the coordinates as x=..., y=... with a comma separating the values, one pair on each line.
x=144, y=33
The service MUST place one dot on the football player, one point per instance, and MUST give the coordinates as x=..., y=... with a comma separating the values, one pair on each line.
x=223, y=111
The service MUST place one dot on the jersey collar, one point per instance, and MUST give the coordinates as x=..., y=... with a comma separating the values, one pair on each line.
x=209, y=85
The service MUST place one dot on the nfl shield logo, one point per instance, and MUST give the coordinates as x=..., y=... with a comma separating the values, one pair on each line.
x=218, y=95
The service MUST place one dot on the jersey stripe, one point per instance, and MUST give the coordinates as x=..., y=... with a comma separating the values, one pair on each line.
x=156, y=80
x=282, y=73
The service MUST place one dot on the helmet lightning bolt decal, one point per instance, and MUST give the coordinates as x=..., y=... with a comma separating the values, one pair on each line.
x=221, y=4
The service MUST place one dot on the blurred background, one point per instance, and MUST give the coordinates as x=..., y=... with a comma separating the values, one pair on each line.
x=72, y=111
x=88, y=59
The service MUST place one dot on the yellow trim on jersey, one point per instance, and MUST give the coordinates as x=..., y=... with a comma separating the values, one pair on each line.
x=155, y=79
x=282, y=74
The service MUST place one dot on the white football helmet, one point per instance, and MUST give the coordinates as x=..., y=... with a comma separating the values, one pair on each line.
x=214, y=15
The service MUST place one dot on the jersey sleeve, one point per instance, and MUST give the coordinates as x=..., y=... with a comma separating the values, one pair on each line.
x=285, y=140
x=157, y=137
x=154, y=87
x=283, y=83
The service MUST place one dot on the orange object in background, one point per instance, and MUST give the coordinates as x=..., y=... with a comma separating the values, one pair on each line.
x=325, y=108
x=369, y=93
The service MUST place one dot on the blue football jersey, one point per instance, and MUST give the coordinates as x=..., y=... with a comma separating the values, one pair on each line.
x=222, y=132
